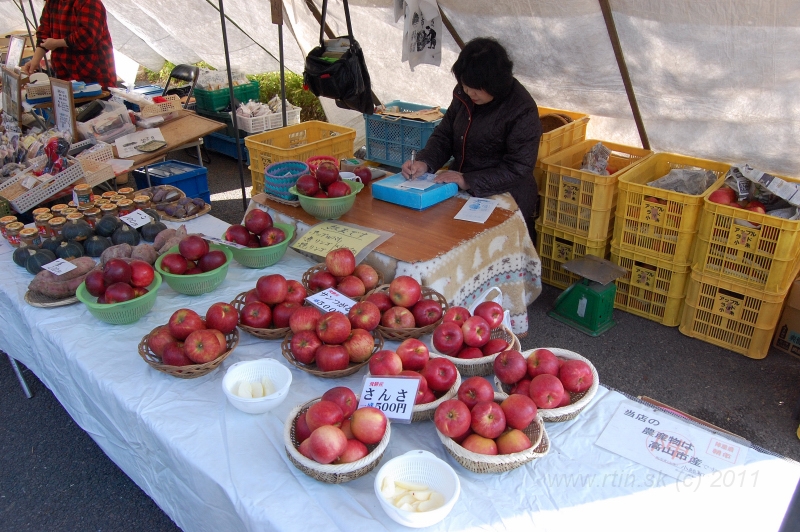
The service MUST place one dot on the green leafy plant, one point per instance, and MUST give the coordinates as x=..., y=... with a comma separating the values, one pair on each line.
x=270, y=84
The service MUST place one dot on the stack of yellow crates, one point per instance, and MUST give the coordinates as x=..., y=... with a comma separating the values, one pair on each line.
x=577, y=207
x=654, y=234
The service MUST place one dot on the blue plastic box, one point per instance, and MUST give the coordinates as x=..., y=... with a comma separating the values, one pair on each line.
x=219, y=143
x=390, y=140
x=190, y=178
x=386, y=190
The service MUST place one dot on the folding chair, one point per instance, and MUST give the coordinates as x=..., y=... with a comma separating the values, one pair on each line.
x=187, y=74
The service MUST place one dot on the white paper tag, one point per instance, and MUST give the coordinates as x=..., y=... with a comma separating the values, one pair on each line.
x=476, y=210
x=75, y=197
x=136, y=219
x=394, y=396
x=422, y=182
x=29, y=182
x=59, y=267
x=330, y=300
x=223, y=242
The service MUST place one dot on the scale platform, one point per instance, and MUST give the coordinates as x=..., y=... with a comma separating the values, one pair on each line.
x=588, y=305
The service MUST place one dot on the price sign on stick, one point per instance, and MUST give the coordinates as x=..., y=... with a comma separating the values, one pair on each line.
x=136, y=219
x=330, y=300
x=223, y=242
x=12, y=94
x=59, y=267
x=64, y=106
x=327, y=236
x=394, y=396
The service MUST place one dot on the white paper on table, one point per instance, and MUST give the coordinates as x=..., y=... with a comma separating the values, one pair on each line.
x=120, y=165
x=422, y=182
x=126, y=146
x=476, y=210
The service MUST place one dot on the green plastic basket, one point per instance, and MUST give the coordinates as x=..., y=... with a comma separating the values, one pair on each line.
x=267, y=256
x=120, y=313
x=200, y=283
x=329, y=208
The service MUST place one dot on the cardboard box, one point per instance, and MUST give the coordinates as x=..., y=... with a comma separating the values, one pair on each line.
x=386, y=190
x=787, y=334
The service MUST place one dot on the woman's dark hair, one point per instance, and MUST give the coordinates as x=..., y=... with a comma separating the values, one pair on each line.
x=484, y=64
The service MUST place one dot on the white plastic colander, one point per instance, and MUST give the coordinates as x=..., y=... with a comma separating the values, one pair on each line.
x=255, y=370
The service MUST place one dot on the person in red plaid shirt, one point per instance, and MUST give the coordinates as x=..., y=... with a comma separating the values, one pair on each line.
x=76, y=34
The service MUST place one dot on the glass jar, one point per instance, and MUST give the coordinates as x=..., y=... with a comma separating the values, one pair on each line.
x=74, y=216
x=43, y=224
x=72, y=205
x=4, y=221
x=116, y=198
x=12, y=232
x=30, y=237
x=109, y=209
x=141, y=202
x=101, y=201
x=92, y=216
x=66, y=212
x=125, y=207
x=128, y=192
x=57, y=224
x=40, y=210
x=108, y=195
x=57, y=209
x=84, y=193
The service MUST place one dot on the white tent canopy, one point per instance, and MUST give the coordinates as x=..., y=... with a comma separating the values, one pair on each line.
x=717, y=79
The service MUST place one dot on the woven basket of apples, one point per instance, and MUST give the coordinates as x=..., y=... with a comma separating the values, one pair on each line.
x=190, y=345
x=194, y=266
x=265, y=310
x=438, y=377
x=341, y=272
x=561, y=383
x=488, y=432
x=473, y=343
x=266, y=241
x=331, y=440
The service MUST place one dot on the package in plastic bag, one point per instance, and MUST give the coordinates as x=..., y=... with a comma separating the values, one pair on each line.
x=692, y=181
x=596, y=159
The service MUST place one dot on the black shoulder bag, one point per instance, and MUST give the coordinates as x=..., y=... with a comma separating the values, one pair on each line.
x=346, y=80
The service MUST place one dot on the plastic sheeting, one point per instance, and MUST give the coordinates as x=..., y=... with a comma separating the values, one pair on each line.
x=714, y=79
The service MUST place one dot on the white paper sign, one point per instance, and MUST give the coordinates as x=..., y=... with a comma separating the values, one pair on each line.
x=223, y=242
x=126, y=146
x=59, y=266
x=476, y=210
x=136, y=219
x=394, y=396
x=330, y=300
x=661, y=442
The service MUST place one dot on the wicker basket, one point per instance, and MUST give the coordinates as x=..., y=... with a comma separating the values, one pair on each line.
x=404, y=334
x=316, y=160
x=306, y=280
x=265, y=334
x=482, y=463
x=193, y=370
x=578, y=401
x=471, y=367
x=281, y=176
x=312, y=368
x=425, y=411
x=330, y=473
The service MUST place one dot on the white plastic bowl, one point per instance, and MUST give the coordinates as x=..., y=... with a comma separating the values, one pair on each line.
x=421, y=467
x=255, y=370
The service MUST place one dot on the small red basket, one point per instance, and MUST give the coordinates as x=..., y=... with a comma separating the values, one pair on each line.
x=316, y=160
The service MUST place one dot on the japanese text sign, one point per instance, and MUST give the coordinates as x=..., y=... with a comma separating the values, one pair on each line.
x=327, y=236
x=136, y=219
x=394, y=396
x=12, y=94
x=63, y=106
x=59, y=267
x=331, y=300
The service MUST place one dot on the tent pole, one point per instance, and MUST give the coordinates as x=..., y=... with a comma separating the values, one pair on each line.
x=605, y=7
x=277, y=18
x=451, y=29
x=233, y=104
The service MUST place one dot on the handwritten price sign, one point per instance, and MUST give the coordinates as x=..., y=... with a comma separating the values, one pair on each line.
x=331, y=301
x=327, y=236
x=59, y=267
x=136, y=219
x=223, y=242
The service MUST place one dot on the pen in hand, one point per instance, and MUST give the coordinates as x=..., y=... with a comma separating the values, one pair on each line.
x=413, y=158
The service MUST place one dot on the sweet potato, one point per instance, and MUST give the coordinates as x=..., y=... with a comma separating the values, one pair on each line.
x=162, y=237
x=116, y=252
x=145, y=252
x=60, y=286
x=174, y=241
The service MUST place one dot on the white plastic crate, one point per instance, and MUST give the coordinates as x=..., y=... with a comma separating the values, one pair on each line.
x=257, y=124
x=22, y=199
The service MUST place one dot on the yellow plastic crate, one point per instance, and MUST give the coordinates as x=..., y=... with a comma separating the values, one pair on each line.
x=559, y=138
x=298, y=143
x=556, y=247
x=660, y=223
x=653, y=288
x=580, y=202
x=730, y=315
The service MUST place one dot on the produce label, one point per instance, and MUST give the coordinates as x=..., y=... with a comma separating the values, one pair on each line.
x=394, y=396
x=679, y=449
x=136, y=219
x=327, y=236
x=331, y=300
x=59, y=267
x=223, y=242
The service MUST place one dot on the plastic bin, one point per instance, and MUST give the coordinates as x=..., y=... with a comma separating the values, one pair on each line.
x=653, y=288
x=219, y=99
x=556, y=247
x=297, y=143
x=144, y=90
x=661, y=223
x=580, y=202
x=257, y=124
x=225, y=118
x=730, y=316
x=390, y=140
x=559, y=138
x=219, y=143
x=190, y=178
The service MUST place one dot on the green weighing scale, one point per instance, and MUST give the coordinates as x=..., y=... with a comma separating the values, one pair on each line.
x=588, y=305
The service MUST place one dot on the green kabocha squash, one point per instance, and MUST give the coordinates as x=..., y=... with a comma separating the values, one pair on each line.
x=77, y=230
x=150, y=231
x=126, y=235
x=21, y=254
x=153, y=214
x=69, y=250
x=52, y=243
x=39, y=258
x=96, y=245
x=107, y=225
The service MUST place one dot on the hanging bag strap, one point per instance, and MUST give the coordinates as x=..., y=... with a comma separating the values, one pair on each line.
x=322, y=23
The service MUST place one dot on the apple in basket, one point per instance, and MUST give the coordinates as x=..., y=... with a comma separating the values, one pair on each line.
x=546, y=391
x=332, y=357
x=381, y=300
x=339, y=189
x=223, y=317
x=344, y=397
x=452, y=418
x=333, y=328
x=116, y=271
x=405, y=291
x=322, y=413
x=494, y=346
x=353, y=451
x=272, y=236
x=364, y=315
x=512, y=441
x=256, y=314
x=478, y=444
x=368, y=275
x=467, y=353
x=413, y=354
x=238, y=234
x=576, y=376
x=488, y=419
x=193, y=247
x=159, y=339
x=440, y=374
x=119, y=292
x=174, y=263
x=304, y=319
x=476, y=331
x=520, y=411
x=510, y=367
x=421, y=388
x=359, y=346
x=368, y=425
x=203, y=346
x=351, y=286
x=212, y=260
x=174, y=355
x=398, y=318
x=340, y=262
x=448, y=338
x=142, y=273
x=295, y=292
x=426, y=312
x=542, y=361
x=385, y=363
x=322, y=280
x=490, y=311
x=327, y=173
x=183, y=322
x=307, y=185
x=282, y=313
x=256, y=221
x=272, y=289
x=456, y=314
x=304, y=345
x=326, y=444
x=474, y=390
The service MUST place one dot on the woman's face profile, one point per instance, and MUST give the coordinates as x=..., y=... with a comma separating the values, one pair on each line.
x=478, y=96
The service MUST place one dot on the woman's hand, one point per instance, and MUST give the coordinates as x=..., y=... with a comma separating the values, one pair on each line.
x=451, y=176
x=410, y=169
x=52, y=44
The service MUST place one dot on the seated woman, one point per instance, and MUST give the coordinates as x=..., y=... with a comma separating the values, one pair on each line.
x=491, y=128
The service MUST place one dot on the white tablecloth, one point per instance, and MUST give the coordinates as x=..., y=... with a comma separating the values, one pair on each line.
x=211, y=467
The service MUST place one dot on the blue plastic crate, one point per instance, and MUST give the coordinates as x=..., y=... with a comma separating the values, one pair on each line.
x=391, y=140
x=190, y=178
x=219, y=143
x=145, y=90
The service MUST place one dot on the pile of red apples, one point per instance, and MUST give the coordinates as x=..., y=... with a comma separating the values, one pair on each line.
x=466, y=336
x=327, y=182
x=272, y=302
x=120, y=281
x=194, y=256
x=340, y=272
x=725, y=195
x=257, y=231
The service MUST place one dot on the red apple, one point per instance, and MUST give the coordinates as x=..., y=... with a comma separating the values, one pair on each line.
x=174, y=263
x=723, y=195
x=368, y=275
x=304, y=345
x=272, y=289
x=307, y=185
x=542, y=361
x=476, y=331
x=520, y=411
x=250, y=296
x=271, y=236
x=546, y=391
x=333, y=328
x=304, y=319
x=340, y=262
x=193, y=247
x=421, y=388
x=183, y=322
x=257, y=220
x=385, y=363
x=440, y=373
x=321, y=280
x=494, y=346
x=305, y=448
x=513, y=441
x=354, y=451
x=332, y=357
x=142, y=273
x=346, y=429
x=756, y=206
x=490, y=311
x=426, y=312
x=523, y=387
x=223, y=342
x=159, y=339
x=339, y=189
x=474, y=390
x=452, y=418
x=321, y=194
x=488, y=419
x=139, y=291
x=413, y=353
x=256, y=314
x=368, y=425
x=479, y=444
x=576, y=376
x=327, y=443
x=359, y=346
x=117, y=271
x=327, y=173
x=222, y=316
x=364, y=315
x=566, y=400
x=282, y=312
x=118, y=293
x=193, y=271
x=95, y=284
x=363, y=173
x=202, y=346
x=510, y=367
x=253, y=241
x=295, y=292
x=405, y=291
x=344, y=397
x=398, y=318
x=380, y=300
x=237, y=233
x=456, y=314
x=463, y=437
x=174, y=355
x=351, y=286
x=427, y=397
x=469, y=352
x=212, y=260
x=301, y=430
x=324, y=412
x=448, y=338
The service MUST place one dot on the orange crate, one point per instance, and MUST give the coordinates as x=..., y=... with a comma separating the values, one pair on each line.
x=557, y=247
